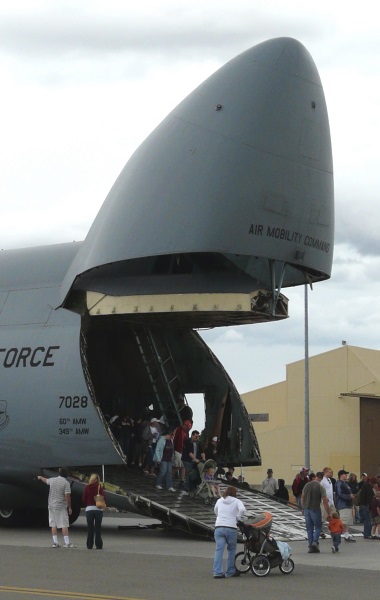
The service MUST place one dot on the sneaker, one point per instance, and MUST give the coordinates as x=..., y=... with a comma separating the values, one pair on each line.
x=236, y=574
x=184, y=493
x=350, y=539
x=70, y=546
x=336, y=549
x=219, y=576
x=323, y=536
x=56, y=545
x=315, y=547
x=158, y=487
x=171, y=489
x=333, y=549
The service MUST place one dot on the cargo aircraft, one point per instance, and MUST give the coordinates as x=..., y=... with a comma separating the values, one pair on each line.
x=228, y=201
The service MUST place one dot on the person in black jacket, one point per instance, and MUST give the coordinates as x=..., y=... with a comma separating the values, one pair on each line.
x=282, y=493
x=364, y=498
x=192, y=454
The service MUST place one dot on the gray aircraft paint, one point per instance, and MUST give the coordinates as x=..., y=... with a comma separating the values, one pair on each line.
x=205, y=176
x=235, y=187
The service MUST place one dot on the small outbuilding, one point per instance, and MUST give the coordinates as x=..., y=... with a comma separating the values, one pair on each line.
x=344, y=416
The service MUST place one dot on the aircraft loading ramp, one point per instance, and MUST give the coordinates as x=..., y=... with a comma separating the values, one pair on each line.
x=133, y=491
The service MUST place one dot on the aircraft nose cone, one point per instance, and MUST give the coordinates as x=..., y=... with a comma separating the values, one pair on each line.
x=243, y=166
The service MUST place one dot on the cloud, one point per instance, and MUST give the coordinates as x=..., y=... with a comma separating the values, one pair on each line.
x=85, y=82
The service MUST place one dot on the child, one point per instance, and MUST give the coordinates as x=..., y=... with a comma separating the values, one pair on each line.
x=336, y=530
x=210, y=477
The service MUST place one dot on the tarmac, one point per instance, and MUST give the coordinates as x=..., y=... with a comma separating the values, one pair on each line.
x=143, y=563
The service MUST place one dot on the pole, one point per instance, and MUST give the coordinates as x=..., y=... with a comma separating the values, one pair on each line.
x=307, y=415
x=240, y=451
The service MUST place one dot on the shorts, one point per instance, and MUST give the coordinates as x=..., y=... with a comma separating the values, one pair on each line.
x=346, y=516
x=177, y=461
x=375, y=521
x=58, y=517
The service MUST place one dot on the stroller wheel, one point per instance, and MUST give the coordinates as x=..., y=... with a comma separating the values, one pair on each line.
x=242, y=562
x=286, y=566
x=260, y=565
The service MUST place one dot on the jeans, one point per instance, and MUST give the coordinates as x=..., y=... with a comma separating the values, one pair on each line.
x=225, y=536
x=313, y=520
x=362, y=513
x=188, y=466
x=337, y=538
x=165, y=474
x=94, y=524
x=149, y=455
x=364, y=510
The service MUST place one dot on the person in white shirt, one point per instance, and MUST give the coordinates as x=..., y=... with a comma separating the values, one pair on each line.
x=228, y=510
x=328, y=485
x=269, y=485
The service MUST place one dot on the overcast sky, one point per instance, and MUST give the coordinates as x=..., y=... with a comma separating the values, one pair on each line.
x=85, y=81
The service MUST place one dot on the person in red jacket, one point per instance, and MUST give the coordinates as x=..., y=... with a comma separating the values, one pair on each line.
x=181, y=435
x=94, y=515
x=335, y=526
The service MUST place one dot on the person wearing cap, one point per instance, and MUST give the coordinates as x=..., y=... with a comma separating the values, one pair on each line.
x=269, y=486
x=299, y=482
x=211, y=450
x=344, y=503
x=313, y=494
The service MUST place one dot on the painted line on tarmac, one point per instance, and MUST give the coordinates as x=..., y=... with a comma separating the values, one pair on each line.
x=60, y=594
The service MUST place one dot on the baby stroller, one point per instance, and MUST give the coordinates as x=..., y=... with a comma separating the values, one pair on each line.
x=204, y=489
x=261, y=551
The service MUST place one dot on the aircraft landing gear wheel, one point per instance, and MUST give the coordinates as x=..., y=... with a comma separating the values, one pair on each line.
x=10, y=517
x=286, y=566
x=260, y=565
x=242, y=562
x=75, y=507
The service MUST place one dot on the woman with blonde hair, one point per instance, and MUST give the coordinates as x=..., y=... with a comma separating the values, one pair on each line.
x=94, y=515
x=228, y=510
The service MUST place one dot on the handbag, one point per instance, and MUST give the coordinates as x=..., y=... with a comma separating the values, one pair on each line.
x=99, y=500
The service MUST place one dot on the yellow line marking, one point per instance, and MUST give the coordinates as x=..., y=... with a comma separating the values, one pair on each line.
x=60, y=594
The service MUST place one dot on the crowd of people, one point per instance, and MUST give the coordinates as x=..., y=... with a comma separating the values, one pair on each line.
x=166, y=448
x=165, y=452
x=335, y=504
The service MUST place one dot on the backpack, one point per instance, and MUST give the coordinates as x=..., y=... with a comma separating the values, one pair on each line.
x=295, y=486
